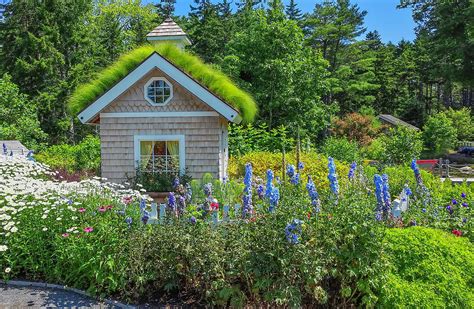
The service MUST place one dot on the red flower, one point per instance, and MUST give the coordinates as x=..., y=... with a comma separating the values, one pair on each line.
x=214, y=205
x=309, y=215
x=458, y=233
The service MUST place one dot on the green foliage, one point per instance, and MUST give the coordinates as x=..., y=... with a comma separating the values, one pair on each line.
x=212, y=78
x=84, y=156
x=18, y=116
x=249, y=138
x=428, y=269
x=439, y=134
x=463, y=123
x=401, y=145
x=341, y=149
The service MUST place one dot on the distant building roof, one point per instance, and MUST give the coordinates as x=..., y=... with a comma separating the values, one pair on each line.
x=396, y=122
x=168, y=30
x=15, y=146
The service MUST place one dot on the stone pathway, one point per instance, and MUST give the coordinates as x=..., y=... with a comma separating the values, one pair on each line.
x=32, y=297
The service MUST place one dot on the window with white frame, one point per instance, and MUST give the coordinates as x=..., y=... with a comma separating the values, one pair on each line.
x=158, y=91
x=160, y=155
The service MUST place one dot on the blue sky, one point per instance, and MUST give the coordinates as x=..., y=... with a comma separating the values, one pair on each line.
x=393, y=24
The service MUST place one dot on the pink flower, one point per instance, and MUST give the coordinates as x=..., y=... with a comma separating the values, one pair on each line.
x=127, y=199
x=88, y=229
x=82, y=209
x=65, y=235
x=102, y=209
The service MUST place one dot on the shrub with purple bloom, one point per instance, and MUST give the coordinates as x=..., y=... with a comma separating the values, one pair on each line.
x=290, y=170
x=247, y=197
x=171, y=202
x=313, y=194
x=208, y=189
x=260, y=191
x=269, y=186
x=332, y=176
x=295, y=180
x=386, y=194
x=293, y=231
x=300, y=166
x=378, y=181
x=274, y=199
x=352, y=170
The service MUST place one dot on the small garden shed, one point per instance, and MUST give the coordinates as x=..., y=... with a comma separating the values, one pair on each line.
x=162, y=110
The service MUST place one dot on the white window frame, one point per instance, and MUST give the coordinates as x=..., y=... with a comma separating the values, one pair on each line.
x=161, y=138
x=149, y=82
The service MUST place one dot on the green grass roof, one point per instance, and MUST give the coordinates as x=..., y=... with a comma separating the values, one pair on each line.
x=214, y=80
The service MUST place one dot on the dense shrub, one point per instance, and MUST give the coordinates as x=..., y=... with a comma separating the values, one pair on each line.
x=357, y=128
x=248, y=138
x=401, y=145
x=341, y=149
x=18, y=116
x=462, y=122
x=315, y=165
x=439, y=134
x=428, y=268
x=83, y=157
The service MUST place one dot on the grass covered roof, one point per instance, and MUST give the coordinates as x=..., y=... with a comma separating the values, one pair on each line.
x=216, y=81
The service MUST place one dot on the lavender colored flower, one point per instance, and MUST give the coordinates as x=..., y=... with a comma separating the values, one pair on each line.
x=454, y=202
x=260, y=191
x=5, y=150
x=300, y=165
x=465, y=204
x=274, y=199
x=192, y=220
x=145, y=217
x=313, y=194
x=290, y=170
x=386, y=194
x=208, y=189
x=464, y=220
x=450, y=209
x=247, y=197
x=352, y=170
x=424, y=210
x=463, y=195
x=332, y=176
x=171, y=201
x=142, y=205
x=413, y=223
x=175, y=183
x=416, y=171
x=408, y=191
x=129, y=221
x=269, y=186
x=378, y=181
x=295, y=179
x=293, y=231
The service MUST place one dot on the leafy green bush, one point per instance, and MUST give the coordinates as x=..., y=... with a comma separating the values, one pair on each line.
x=402, y=145
x=18, y=116
x=462, y=122
x=439, y=134
x=341, y=149
x=428, y=269
x=249, y=138
x=84, y=156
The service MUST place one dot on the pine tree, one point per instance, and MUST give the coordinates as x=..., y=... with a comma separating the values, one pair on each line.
x=165, y=8
x=293, y=12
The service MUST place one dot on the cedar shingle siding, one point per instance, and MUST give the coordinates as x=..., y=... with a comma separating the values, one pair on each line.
x=204, y=136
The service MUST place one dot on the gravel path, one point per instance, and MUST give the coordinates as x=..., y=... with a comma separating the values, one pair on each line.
x=32, y=297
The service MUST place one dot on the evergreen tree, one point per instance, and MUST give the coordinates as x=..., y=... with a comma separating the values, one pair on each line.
x=293, y=12
x=165, y=8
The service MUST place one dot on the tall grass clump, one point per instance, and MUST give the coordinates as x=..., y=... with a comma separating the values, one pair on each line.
x=211, y=78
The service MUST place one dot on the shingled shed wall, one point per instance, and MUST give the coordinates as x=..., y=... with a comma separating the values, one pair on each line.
x=202, y=140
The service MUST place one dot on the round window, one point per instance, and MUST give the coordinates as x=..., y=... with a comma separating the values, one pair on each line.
x=158, y=91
